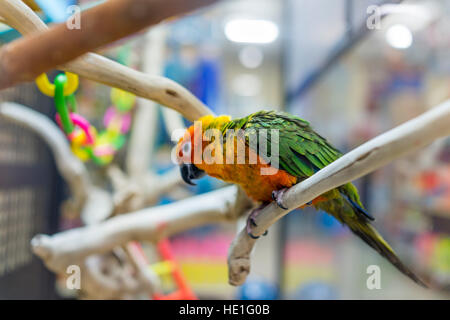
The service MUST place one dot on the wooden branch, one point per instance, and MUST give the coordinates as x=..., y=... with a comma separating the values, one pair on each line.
x=112, y=276
x=108, y=72
x=129, y=197
x=152, y=224
x=26, y=58
x=368, y=157
x=131, y=194
x=156, y=88
x=158, y=185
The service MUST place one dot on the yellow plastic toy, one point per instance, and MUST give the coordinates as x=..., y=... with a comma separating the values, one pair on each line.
x=48, y=88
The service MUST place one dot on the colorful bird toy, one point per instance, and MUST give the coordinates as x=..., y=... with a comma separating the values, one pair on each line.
x=86, y=142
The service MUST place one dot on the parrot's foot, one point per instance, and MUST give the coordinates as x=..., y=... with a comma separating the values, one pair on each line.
x=277, y=195
x=251, y=222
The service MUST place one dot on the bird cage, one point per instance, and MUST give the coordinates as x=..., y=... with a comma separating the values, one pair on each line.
x=30, y=194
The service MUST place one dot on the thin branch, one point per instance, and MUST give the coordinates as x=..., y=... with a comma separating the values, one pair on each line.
x=158, y=185
x=113, y=276
x=368, y=157
x=108, y=72
x=127, y=198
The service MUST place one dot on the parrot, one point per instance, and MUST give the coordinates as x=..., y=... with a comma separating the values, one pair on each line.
x=301, y=153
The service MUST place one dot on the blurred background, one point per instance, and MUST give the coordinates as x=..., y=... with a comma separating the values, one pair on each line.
x=354, y=69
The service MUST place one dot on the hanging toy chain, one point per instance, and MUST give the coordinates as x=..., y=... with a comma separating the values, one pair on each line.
x=85, y=142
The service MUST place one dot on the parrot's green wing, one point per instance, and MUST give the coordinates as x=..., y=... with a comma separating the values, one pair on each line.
x=302, y=151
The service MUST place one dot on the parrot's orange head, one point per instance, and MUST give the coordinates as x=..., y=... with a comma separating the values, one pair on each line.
x=189, y=150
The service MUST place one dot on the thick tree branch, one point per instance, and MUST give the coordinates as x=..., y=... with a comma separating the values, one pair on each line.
x=368, y=157
x=152, y=224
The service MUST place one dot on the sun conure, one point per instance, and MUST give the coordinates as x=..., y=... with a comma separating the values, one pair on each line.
x=302, y=152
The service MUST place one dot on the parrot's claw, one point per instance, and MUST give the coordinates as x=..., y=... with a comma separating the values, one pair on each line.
x=257, y=237
x=277, y=195
x=251, y=235
x=251, y=222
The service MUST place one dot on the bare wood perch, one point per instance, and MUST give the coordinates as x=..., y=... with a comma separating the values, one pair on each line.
x=103, y=70
x=368, y=157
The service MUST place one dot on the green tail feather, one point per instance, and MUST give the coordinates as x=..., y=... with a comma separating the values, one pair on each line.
x=342, y=209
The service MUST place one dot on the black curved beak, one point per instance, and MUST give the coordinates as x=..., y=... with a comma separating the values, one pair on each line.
x=190, y=172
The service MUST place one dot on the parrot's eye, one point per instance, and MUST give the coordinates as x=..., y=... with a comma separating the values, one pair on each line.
x=187, y=148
